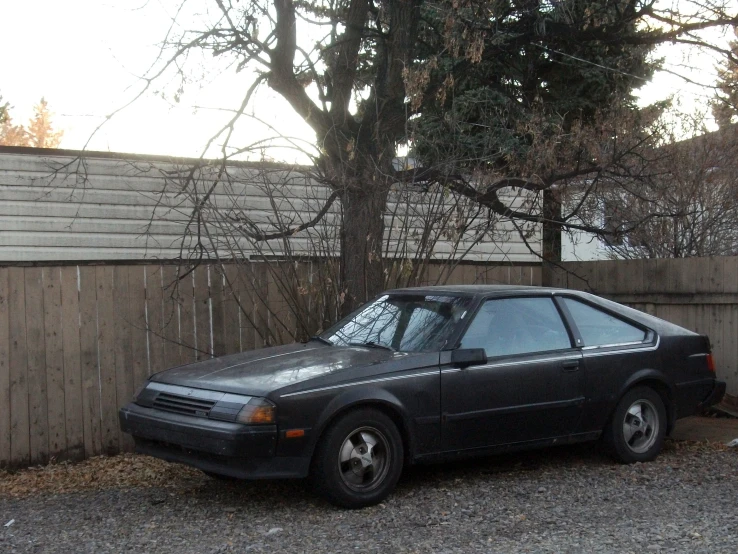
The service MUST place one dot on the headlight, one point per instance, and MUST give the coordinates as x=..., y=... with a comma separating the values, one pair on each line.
x=258, y=411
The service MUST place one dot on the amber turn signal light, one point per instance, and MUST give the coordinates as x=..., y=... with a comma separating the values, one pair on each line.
x=258, y=411
x=294, y=433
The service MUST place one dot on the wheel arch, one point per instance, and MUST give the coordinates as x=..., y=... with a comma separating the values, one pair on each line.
x=657, y=381
x=371, y=397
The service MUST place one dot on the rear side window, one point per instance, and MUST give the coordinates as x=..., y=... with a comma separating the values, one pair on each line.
x=517, y=326
x=599, y=328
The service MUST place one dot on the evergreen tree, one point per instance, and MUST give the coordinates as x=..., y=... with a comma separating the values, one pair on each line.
x=725, y=105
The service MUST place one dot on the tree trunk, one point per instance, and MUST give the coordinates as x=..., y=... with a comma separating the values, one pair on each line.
x=551, y=239
x=362, y=230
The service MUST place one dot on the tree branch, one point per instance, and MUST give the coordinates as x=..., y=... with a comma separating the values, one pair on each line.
x=260, y=236
x=282, y=77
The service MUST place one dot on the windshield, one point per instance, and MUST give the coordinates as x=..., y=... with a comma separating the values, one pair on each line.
x=405, y=323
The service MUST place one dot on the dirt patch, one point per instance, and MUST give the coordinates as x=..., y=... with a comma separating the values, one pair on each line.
x=103, y=472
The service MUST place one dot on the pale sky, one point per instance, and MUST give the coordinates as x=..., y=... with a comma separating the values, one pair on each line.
x=84, y=57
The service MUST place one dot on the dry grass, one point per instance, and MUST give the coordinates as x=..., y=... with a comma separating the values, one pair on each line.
x=102, y=472
x=696, y=446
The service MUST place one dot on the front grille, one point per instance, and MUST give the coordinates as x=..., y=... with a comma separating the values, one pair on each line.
x=183, y=404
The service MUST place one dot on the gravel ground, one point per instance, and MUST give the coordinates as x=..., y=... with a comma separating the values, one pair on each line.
x=568, y=499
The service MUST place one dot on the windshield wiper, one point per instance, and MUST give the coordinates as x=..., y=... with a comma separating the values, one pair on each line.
x=321, y=339
x=372, y=344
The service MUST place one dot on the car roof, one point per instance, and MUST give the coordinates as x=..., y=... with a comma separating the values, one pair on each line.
x=653, y=322
x=476, y=290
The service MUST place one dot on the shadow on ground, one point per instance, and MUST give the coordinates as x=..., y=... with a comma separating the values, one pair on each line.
x=417, y=477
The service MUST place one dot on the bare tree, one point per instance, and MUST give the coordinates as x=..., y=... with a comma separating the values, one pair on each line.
x=688, y=205
x=287, y=223
x=366, y=74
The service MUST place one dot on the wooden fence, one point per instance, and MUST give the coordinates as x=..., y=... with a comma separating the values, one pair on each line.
x=700, y=294
x=76, y=342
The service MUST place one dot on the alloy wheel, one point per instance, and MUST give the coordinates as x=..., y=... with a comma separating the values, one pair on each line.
x=641, y=426
x=364, y=459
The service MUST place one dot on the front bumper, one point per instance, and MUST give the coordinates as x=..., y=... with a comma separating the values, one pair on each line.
x=233, y=449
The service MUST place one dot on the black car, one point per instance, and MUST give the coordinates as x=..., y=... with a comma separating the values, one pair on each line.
x=428, y=374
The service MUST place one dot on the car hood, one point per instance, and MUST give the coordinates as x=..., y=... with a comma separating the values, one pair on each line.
x=259, y=372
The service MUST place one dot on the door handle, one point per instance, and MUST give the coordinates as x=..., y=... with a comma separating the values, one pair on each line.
x=572, y=365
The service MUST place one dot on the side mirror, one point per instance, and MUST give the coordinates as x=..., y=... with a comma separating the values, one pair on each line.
x=464, y=357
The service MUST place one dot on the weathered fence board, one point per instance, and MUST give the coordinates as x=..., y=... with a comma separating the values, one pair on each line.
x=170, y=316
x=20, y=445
x=4, y=369
x=217, y=307
x=70, y=325
x=106, y=336
x=51, y=277
x=153, y=299
x=124, y=323
x=201, y=286
x=37, y=398
x=234, y=327
x=140, y=354
x=187, y=337
x=88, y=339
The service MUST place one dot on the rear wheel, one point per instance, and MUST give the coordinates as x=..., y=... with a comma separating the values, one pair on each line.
x=359, y=459
x=637, y=429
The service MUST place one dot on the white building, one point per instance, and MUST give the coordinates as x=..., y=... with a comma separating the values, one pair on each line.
x=58, y=205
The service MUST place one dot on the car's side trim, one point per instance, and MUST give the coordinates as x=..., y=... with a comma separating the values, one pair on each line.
x=355, y=383
x=518, y=362
x=587, y=353
x=427, y=420
x=594, y=353
x=695, y=383
x=508, y=447
x=612, y=344
x=516, y=409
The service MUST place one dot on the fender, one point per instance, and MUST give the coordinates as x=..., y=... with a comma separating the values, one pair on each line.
x=355, y=397
x=649, y=374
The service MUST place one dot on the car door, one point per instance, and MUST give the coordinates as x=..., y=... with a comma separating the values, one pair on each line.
x=531, y=387
x=613, y=349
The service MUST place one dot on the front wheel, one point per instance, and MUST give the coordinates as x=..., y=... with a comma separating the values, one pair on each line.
x=637, y=429
x=359, y=459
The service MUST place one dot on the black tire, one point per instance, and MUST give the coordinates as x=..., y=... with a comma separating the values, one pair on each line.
x=358, y=460
x=637, y=429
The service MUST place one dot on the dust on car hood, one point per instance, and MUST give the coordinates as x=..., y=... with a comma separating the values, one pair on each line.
x=259, y=372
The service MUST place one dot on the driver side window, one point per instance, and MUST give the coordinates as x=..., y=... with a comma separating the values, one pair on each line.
x=509, y=326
